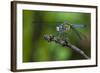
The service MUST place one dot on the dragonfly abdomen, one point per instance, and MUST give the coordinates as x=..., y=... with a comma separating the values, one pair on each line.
x=78, y=25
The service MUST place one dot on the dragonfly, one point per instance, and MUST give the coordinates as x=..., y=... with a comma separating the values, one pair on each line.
x=62, y=30
x=64, y=27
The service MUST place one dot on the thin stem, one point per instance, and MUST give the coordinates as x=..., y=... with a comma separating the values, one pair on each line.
x=77, y=50
x=65, y=43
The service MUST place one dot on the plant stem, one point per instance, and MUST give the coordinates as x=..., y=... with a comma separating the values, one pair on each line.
x=65, y=43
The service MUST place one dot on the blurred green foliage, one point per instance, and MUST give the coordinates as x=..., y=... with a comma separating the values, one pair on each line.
x=38, y=23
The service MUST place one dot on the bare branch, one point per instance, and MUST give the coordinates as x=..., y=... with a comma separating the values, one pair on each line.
x=65, y=43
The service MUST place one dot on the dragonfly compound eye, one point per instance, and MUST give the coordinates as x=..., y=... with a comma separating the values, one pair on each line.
x=63, y=28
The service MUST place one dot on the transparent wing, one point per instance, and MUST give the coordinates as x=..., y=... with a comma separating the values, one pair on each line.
x=74, y=28
x=76, y=31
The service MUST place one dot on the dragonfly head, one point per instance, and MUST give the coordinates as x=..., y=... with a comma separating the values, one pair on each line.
x=62, y=28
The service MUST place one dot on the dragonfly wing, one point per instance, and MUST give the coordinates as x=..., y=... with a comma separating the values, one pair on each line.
x=76, y=31
x=74, y=28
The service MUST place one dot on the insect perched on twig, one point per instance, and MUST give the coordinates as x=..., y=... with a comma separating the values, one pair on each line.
x=63, y=29
x=62, y=39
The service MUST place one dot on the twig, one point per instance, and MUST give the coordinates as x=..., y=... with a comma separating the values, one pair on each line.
x=65, y=43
